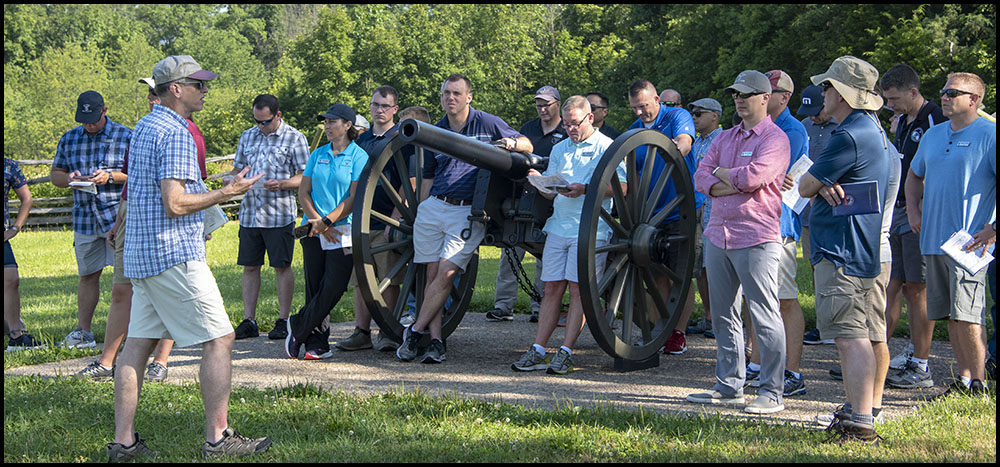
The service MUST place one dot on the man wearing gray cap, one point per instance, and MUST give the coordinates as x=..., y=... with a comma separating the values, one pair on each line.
x=845, y=246
x=706, y=113
x=174, y=292
x=90, y=159
x=743, y=171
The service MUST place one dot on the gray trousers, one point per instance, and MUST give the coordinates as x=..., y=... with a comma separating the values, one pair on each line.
x=755, y=271
x=506, y=296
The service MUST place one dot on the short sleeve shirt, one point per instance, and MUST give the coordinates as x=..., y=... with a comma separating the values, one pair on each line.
x=280, y=155
x=673, y=122
x=959, y=169
x=161, y=148
x=332, y=175
x=373, y=145
x=576, y=163
x=457, y=179
x=13, y=179
x=78, y=150
x=857, y=152
x=543, y=142
x=798, y=142
x=819, y=136
x=909, y=134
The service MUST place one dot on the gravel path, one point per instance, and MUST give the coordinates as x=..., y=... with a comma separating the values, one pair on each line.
x=478, y=366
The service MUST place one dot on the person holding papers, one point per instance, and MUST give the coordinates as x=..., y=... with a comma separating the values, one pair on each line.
x=326, y=194
x=952, y=180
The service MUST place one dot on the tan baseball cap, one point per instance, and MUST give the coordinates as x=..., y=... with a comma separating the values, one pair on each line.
x=780, y=81
x=177, y=67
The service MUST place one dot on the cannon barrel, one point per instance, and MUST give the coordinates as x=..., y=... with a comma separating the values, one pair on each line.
x=511, y=165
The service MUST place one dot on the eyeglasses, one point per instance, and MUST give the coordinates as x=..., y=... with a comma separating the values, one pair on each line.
x=264, y=122
x=699, y=113
x=545, y=105
x=745, y=95
x=380, y=107
x=598, y=107
x=568, y=125
x=953, y=93
x=826, y=85
x=202, y=86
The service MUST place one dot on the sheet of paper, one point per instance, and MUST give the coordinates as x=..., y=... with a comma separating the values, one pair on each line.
x=548, y=184
x=215, y=217
x=972, y=261
x=343, y=242
x=791, y=198
x=88, y=187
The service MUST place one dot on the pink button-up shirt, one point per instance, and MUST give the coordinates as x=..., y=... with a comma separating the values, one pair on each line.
x=758, y=159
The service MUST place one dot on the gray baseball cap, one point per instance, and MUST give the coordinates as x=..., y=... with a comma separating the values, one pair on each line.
x=547, y=93
x=750, y=81
x=707, y=103
x=176, y=67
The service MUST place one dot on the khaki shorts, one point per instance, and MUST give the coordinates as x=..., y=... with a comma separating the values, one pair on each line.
x=119, y=277
x=843, y=305
x=383, y=261
x=788, y=266
x=92, y=253
x=559, y=259
x=953, y=293
x=437, y=233
x=182, y=303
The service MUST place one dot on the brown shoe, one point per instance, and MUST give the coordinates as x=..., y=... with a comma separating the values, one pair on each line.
x=849, y=430
x=360, y=340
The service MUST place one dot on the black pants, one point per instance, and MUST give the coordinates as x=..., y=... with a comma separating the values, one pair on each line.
x=327, y=275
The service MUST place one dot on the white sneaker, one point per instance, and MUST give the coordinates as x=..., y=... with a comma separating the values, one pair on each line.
x=764, y=405
x=899, y=361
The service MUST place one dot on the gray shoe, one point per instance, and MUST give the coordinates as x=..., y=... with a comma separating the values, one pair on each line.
x=79, y=339
x=561, y=364
x=118, y=452
x=699, y=327
x=899, y=361
x=96, y=372
x=407, y=351
x=531, y=361
x=234, y=445
x=360, y=340
x=497, y=314
x=910, y=377
x=435, y=352
x=714, y=397
x=156, y=372
x=384, y=343
x=764, y=405
x=408, y=319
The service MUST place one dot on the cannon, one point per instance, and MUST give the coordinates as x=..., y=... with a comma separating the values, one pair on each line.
x=625, y=311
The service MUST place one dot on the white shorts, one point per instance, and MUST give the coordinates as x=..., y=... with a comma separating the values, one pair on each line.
x=437, y=233
x=182, y=303
x=788, y=267
x=559, y=259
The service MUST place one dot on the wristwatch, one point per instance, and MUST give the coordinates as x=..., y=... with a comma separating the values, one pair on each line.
x=111, y=177
x=327, y=221
x=715, y=170
x=15, y=228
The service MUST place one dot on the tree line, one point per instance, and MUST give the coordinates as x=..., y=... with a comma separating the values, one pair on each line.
x=311, y=56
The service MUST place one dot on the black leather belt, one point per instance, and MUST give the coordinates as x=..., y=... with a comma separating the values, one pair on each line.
x=454, y=202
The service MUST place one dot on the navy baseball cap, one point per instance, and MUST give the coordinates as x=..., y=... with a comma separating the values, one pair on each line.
x=89, y=107
x=342, y=111
x=812, y=101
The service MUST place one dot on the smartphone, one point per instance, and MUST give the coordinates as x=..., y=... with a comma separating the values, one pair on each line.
x=303, y=230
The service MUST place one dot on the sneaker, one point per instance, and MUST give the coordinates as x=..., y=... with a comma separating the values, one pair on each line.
x=534, y=317
x=497, y=314
x=753, y=378
x=561, y=323
x=435, y=352
x=899, y=361
x=408, y=319
x=280, y=330
x=24, y=342
x=407, y=351
x=247, y=329
x=812, y=338
x=764, y=405
x=709, y=334
x=118, y=452
x=699, y=327
x=676, y=344
x=79, y=339
x=841, y=413
x=793, y=386
x=910, y=377
x=96, y=372
x=360, y=340
x=291, y=344
x=561, y=364
x=836, y=373
x=531, y=361
x=234, y=445
x=156, y=372
x=956, y=387
x=318, y=354
x=714, y=397
x=385, y=343
x=848, y=430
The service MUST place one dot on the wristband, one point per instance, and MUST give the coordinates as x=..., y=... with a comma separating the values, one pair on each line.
x=715, y=170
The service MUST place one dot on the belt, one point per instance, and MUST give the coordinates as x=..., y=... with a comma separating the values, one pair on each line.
x=454, y=202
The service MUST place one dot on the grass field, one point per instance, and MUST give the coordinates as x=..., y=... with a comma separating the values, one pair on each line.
x=65, y=420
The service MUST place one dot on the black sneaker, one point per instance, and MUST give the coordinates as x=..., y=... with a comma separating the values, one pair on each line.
x=407, y=351
x=813, y=338
x=836, y=373
x=248, y=328
x=24, y=342
x=435, y=352
x=292, y=345
x=280, y=330
x=234, y=445
x=957, y=387
x=118, y=452
x=534, y=317
x=497, y=314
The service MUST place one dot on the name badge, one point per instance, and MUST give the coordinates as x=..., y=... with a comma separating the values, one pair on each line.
x=747, y=154
x=963, y=144
x=323, y=161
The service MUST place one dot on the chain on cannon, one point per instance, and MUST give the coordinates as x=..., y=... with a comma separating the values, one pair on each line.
x=626, y=310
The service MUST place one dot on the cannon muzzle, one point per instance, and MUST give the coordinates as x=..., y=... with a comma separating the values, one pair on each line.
x=511, y=165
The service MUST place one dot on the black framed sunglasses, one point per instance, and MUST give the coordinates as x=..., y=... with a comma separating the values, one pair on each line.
x=745, y=95
x=264, y=122
x=953, y=93
x=826, y=85
x=202, y=86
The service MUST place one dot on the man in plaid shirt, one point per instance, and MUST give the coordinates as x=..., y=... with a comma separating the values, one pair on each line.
x=267, y=212
x=92, y=153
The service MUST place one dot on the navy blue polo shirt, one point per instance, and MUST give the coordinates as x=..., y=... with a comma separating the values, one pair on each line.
x=857, y=152
x=673, y=122
x=457, y=179
x=543, y=142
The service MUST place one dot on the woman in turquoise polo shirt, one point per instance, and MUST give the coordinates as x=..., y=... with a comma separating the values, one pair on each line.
x=327, y=196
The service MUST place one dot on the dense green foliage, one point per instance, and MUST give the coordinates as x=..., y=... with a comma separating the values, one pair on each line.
x=313, y=55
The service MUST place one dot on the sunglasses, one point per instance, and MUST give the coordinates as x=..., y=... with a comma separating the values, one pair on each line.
x=670, y=103
x=264, y=122
x=202, y=86
x=699, y=113
x=826, y=85
x=745, y=95
x=953, y=93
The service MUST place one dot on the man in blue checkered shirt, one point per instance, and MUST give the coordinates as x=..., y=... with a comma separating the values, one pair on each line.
x=90, y=158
